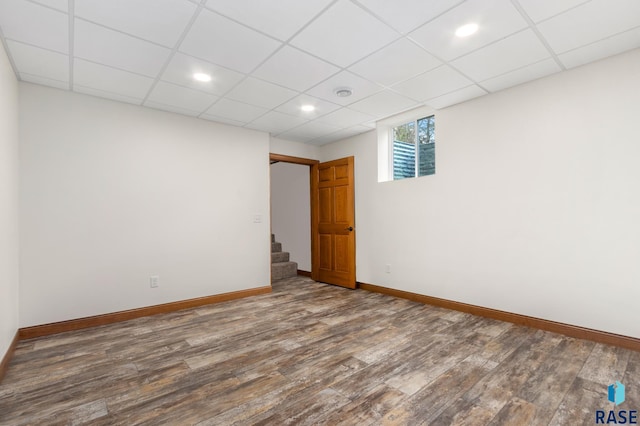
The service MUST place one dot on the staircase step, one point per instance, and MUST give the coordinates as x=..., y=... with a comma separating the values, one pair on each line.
x=282, y=270
x=282, y=256
x=276, y=247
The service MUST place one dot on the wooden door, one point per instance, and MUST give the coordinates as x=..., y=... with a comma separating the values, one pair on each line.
x=333, y=223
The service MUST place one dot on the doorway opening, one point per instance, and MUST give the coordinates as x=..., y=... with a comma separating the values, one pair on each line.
x=332, y=219
x=290, y=203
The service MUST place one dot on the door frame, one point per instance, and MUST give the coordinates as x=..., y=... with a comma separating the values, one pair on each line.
x=313, y=167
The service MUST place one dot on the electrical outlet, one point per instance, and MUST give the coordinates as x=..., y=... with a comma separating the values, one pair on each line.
x=387, y=268
x=154, y=281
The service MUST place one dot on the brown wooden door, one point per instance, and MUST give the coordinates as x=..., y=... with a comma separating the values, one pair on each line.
x=333, y=223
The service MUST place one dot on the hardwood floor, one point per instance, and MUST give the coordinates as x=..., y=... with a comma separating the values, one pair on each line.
x=311, y=353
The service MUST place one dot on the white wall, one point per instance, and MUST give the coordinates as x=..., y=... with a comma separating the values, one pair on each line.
x=294, y=149
x=114, y=193
x=291, y=211
x=8, y=203
x=534, y=208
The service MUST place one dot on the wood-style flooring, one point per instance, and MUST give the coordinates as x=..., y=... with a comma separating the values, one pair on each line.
x=311, y=353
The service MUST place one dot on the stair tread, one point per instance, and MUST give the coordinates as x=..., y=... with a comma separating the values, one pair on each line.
x=280, y=270
x=281, y=264
x=281, y=256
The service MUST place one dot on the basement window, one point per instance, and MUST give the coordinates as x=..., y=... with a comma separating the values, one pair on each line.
x=413, y=148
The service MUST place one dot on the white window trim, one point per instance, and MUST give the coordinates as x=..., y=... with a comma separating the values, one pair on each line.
x=385, y=139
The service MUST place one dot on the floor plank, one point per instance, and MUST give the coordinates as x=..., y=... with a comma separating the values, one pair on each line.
x=310, y=353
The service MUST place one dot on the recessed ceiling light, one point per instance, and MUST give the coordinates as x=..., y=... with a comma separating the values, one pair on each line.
x=343, y=92
x=466, y=30
x=307, y=108
x=199, y=76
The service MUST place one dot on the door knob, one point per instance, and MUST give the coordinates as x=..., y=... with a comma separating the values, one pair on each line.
x=349, y=228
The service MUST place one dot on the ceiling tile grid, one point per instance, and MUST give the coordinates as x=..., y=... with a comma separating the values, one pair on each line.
x=320, y=107
x=116, y=49
x=344, y=34
x=34, y=24
x=495, y=18
x=508, y=54
x=280, y=19
x=276, y=66
x=295, y=69
x=181, y=68
x=37, y=61
x=399, y=61
x=234, y=110
x=277, y=122
x=91, y=75
x=222, y=41
x=181, y=97
x=164, y=26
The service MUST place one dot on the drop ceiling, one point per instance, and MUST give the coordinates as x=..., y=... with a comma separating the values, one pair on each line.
x=268, y=58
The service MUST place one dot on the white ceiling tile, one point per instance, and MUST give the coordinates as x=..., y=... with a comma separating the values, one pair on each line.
x=106, y=95
x=361, y=88
x=44, y=81
x=222, y=120
x=233, y=110
x=590, y=22
x=106, y=79
x=406, y=15
x=182, y=67
x=181, y=97
x=280, y=19
x=496, y=19
x=339, y=135
x=506, y=55
x=261, y=93
x=171, y=108
x=295, y=69
x=309, y=131
x=601, y=49
x=34, y=24
x=227, y=43
x=294, y=107
x=118, y=50
x=539, y=10
x=441, y=80
x=345, y=117
x=355, y=130
x=323, y=140
x=62, y=5
x=384, y=104
x=397, y=62
x=344, y=34
x=160, y=21
x=36, y=61
x=276, y=122
x=456, y=97
x=522, y=75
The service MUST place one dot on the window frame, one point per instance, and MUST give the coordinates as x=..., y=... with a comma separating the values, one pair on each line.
x=391, y=142
x=385, y=153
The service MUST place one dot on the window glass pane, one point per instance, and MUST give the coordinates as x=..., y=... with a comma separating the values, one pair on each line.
x=426, y=146
x=404, y=151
